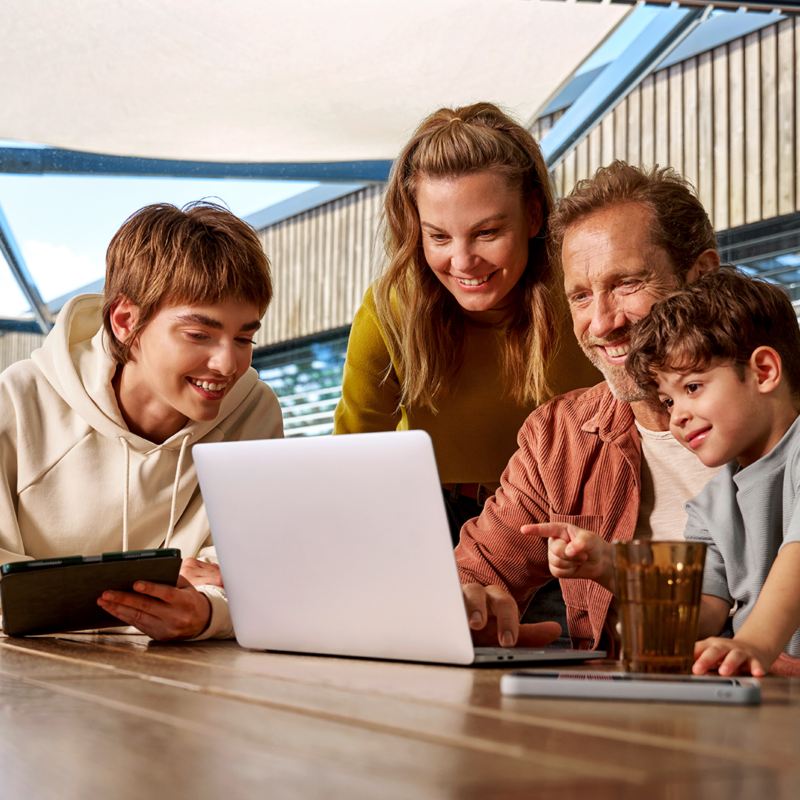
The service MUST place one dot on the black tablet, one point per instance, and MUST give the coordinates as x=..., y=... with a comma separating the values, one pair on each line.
x=60, y=594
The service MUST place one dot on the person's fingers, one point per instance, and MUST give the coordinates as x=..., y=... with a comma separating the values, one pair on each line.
x=538, y=634
x=757, y=669
x=475, y=604
x=503, y=607
x=709, y=656
x=733, y=661
x=161, y=591
x=126, y=612
x=183, y=618
x=548, y=530
x=201, y=573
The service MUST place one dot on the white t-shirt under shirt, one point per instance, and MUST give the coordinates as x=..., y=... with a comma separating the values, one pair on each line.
x=671, y=476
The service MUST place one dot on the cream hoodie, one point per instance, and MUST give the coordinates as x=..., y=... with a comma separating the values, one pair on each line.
x=75, y=480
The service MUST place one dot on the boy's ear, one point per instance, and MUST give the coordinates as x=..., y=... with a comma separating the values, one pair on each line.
x=124, y=316
x=706, y=262
x=766, y=364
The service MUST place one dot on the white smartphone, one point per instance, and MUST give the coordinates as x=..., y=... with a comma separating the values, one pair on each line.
x=633, y=686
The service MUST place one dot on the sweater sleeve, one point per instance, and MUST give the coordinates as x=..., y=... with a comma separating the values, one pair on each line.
x=492, y=549
x=11, y=546
x=370, y=387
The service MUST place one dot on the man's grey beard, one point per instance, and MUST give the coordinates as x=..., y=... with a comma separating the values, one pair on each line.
x=622, y=386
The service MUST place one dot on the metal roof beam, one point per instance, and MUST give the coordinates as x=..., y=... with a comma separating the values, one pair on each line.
x=13, y=255
x=783, y=6
x=53, y=160
x=669, y=27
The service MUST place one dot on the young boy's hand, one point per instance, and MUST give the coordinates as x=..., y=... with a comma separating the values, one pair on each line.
x=729, y=656
x=573, y=552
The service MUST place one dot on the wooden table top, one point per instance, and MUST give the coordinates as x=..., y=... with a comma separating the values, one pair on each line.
x=117, y=716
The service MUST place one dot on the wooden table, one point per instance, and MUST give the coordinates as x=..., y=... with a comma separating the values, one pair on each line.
x=117, y=717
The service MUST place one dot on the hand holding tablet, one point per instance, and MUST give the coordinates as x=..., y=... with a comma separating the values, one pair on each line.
x=60, y=594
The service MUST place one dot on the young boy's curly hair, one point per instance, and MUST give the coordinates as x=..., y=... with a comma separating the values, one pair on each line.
x=722, y=317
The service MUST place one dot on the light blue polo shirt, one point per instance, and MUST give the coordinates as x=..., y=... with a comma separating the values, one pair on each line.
x=746, y=516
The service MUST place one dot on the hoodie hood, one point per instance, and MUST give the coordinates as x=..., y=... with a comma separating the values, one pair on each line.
x=77, y=362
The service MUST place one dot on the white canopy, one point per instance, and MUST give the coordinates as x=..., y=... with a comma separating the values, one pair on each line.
x=276, y=80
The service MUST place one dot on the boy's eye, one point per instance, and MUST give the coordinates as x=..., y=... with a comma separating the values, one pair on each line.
x=245, y=340
x=667, y=403
x=488, y=232
x=691, y=388
x=197, y=336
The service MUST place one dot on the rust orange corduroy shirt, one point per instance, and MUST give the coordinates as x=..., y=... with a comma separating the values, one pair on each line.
x=579, y=461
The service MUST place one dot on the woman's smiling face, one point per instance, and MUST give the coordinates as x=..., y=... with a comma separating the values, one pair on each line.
x=475, y=234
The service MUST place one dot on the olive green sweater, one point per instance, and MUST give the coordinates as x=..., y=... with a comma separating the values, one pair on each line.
x=475, y=430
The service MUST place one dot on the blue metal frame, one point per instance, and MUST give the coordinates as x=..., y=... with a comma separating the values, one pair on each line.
x=784, y=6
x=19, y=325
x=53, y=160
x=12, y=254
x=665, y=31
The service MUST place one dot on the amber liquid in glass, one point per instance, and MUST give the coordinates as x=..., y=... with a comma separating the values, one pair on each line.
x=658, y=588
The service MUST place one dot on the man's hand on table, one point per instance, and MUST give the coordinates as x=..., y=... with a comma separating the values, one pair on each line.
x=573, y=552
x=162, y=612
x=494, y=619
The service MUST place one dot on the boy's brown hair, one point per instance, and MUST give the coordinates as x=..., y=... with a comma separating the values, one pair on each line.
x=200, y=254
x=680, y=225
x=723, y=316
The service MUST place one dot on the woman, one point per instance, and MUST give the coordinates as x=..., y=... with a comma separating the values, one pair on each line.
x=460, y=334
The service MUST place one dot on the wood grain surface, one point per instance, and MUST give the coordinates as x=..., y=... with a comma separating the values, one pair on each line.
x=121, y=717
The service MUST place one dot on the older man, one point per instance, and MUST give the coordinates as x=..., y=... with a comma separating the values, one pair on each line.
x=599, y=459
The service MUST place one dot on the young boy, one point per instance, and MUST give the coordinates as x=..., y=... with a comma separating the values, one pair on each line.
x=96, y=428
x=723, y=358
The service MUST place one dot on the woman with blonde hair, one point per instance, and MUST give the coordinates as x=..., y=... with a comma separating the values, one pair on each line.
x=460, y=335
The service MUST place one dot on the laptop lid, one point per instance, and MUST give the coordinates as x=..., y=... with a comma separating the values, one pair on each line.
x=336, y=545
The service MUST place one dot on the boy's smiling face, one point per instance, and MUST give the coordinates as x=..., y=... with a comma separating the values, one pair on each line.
x=719, y=413
x=184, y=362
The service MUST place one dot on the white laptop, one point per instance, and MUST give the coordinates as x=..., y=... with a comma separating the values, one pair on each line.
x=339, y=545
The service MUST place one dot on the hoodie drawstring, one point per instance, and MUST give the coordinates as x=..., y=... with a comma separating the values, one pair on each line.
x=174, y=504
x=173, y=507
x=126, y=447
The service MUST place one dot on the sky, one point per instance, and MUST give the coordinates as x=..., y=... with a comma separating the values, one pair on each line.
x=63, y=223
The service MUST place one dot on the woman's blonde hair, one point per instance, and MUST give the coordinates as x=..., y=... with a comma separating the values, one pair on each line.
x=422, y=320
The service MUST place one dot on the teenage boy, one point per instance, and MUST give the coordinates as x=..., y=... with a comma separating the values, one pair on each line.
x=96, y=428
x=722, y=356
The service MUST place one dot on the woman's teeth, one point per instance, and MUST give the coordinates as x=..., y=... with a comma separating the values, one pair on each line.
x=208, y=386
x=473, y=281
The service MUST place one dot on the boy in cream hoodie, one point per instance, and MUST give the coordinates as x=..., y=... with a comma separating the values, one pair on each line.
x=96, y=428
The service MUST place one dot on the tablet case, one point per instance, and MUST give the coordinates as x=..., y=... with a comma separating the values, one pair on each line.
x=64, y=598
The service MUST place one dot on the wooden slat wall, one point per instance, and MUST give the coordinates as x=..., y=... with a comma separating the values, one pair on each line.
x=16, y=346
x=322, y=263
x=728, y=119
